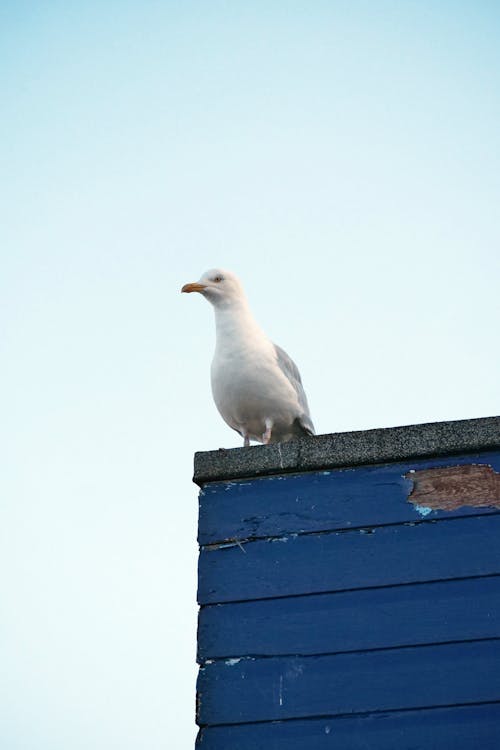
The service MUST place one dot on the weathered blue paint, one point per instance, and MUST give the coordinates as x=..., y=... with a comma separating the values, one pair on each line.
x=336, y=561
x=461, y=728
x=320, y=501
x=337, y=615
x=352, y=620
x=392, y=679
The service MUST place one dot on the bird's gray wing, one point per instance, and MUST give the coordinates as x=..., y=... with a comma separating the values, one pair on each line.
x=291, y=371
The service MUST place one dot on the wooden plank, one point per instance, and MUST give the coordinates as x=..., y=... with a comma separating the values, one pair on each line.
x=248, y=690
x=458, y=728
x=452, y=487
x=336, y=561
x=327, y=500
x=332, y=623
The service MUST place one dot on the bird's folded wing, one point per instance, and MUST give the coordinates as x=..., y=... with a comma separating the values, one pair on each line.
x=291, y=371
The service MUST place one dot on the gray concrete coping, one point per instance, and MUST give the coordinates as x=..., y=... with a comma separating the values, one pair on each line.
x=343, y=449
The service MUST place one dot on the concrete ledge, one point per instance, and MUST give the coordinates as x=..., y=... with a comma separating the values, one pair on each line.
x=349, y=449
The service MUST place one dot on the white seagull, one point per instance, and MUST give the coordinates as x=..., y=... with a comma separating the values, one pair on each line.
x=256, y=386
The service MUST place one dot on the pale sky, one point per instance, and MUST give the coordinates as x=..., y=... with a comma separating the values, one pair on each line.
x=343, y=158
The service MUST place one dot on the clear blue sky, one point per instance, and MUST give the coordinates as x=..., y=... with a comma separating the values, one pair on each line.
x=344, y=159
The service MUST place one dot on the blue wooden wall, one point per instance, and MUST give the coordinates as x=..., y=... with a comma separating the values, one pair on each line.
x=335, y=613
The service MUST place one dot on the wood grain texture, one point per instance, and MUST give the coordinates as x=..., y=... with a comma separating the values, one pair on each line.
x=352, y=620
x=250, y=690
x=454, y=487
x=458, y=728
x=325, y=501
x=316, y=563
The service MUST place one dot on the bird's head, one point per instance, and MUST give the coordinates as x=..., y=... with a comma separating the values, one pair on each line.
x=221, y=288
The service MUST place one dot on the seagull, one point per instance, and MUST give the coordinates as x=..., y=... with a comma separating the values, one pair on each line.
x=256, y=386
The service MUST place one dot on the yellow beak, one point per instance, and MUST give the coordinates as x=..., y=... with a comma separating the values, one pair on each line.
x=195, y=287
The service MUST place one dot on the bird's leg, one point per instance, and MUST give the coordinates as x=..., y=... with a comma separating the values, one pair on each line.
x=266, y=437
x=246, y=440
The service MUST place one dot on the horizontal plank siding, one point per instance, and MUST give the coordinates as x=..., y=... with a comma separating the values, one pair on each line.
x=349, y=590
x=249, y=690
x=322, y=501
x=352, y=620
x=458, y=728
x=315, y=563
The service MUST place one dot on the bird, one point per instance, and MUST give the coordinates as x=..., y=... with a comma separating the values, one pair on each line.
x=256, y=386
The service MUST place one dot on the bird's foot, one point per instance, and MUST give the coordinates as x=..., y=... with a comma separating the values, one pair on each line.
x=246, y=441
x=266, y=437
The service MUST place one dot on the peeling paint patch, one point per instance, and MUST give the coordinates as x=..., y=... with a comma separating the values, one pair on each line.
x=424, y=510
x=453, y=487
x=232, y=662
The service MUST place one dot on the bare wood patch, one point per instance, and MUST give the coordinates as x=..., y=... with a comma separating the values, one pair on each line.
x=450, y=488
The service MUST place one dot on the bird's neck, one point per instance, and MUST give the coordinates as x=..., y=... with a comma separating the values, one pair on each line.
x=235, y=322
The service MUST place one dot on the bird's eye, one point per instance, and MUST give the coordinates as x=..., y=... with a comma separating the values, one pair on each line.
x=218, y=279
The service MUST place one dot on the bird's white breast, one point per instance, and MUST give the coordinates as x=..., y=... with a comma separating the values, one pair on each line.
x=247, y=384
